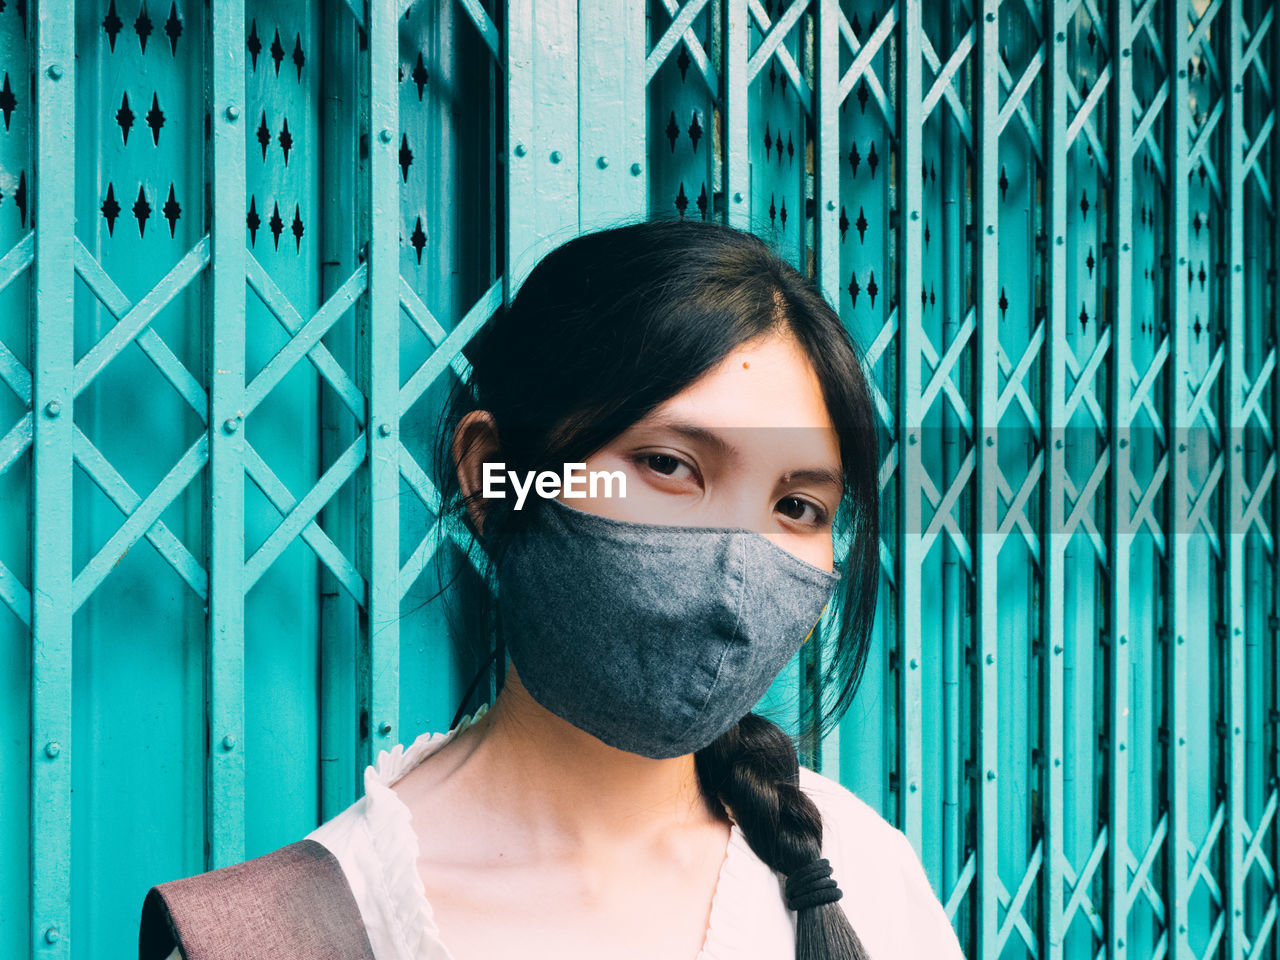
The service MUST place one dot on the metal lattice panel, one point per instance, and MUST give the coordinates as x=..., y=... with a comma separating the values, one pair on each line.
x=243, y=246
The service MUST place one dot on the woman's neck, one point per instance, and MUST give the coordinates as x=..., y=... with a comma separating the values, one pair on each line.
x=554, y=790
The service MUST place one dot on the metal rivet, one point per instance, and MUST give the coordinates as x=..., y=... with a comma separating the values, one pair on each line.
x=1058, y=443
x=831, y=204
x=737, y=197
x=55, y=71
x=991, y=658
x=991, y=774
x=1119, y=943
x=1059, y=241
x=384, y=430
x=1182, y=741
x=991, y=230
x=53, y=408
x=1182, y=74
x=1181, y=639
x=233, y=112
x=231, y=424
x=52, y=935
x=1182, y=259
x=1123, y=639
x=1057, y=761
x=911, y=439
x=914, y=663
x=636, y=169
x=1237, y=731
x=385, y=135
x=913, y=786
x=1182, y=448
x=991, y=441
x=1124, y=246
x=1125, y=52
x=556, y=156
x=1062, y=37
x=915, y=214
x=991, y=18
x=1123, y=443
x=602, y=162
x=228, y=742
x=52, y=749
x=1239, y=88
x=1182, y=928
x=519, y=150
x=1057, y=649
x=1239, y=268
x=1122, y=746
x=384, y=728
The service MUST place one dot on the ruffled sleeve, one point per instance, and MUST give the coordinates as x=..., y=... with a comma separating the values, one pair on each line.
x=377, y=846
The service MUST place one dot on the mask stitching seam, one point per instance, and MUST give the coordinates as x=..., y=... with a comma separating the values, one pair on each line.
x=727, y=647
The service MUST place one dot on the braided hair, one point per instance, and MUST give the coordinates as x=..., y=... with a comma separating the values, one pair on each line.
x=605, y=328
x=754, y=771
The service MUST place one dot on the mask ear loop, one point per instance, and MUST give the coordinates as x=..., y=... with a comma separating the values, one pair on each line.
x=815, y=623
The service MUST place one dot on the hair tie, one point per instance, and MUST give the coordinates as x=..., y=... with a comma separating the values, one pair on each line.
x=812, y=886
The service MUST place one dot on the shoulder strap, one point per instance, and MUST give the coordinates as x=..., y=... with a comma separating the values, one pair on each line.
x=293, y=902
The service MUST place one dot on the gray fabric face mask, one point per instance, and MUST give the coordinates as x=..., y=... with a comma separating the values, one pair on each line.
x=655, y=638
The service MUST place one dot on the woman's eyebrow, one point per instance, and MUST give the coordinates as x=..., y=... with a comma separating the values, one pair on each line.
x=696, y=433
x=817, y=475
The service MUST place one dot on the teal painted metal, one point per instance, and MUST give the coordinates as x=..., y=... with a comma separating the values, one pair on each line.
x=243, y=245
x=228, y=407
x=1176, y=396
x=55, y=377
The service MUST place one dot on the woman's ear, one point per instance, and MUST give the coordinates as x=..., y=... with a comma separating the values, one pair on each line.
x=475, y=442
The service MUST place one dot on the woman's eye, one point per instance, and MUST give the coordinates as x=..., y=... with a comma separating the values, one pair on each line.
x=817, y=516
x=664, y=463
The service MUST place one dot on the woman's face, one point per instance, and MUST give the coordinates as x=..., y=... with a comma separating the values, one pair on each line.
x=750, y=445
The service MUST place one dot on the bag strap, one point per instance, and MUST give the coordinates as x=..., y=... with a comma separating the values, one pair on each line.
x=293, y=902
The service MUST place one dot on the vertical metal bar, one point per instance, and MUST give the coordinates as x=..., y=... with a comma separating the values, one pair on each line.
x=986, y=437
x=1054, y=518
x=542, y=132
x=1120, y=231
x=949, y=271
x=379, y=349
x=225, y=354
x=1177, y=485
x=737, y=166
x=1233, y=540
x=1271, y=331
x=341, y=777
x=51, y=481
x=611, y=113
x=826, y=151
x=910, y=552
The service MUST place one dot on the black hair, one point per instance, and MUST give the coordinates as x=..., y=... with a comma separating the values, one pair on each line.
x=606, y=327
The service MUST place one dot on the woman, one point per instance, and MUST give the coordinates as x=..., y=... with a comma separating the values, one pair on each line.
x=618, y=798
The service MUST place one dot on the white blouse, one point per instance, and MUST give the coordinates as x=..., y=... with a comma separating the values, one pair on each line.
x=887, y=895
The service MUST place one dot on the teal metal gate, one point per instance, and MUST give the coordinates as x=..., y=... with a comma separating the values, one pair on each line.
x=243, y=243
